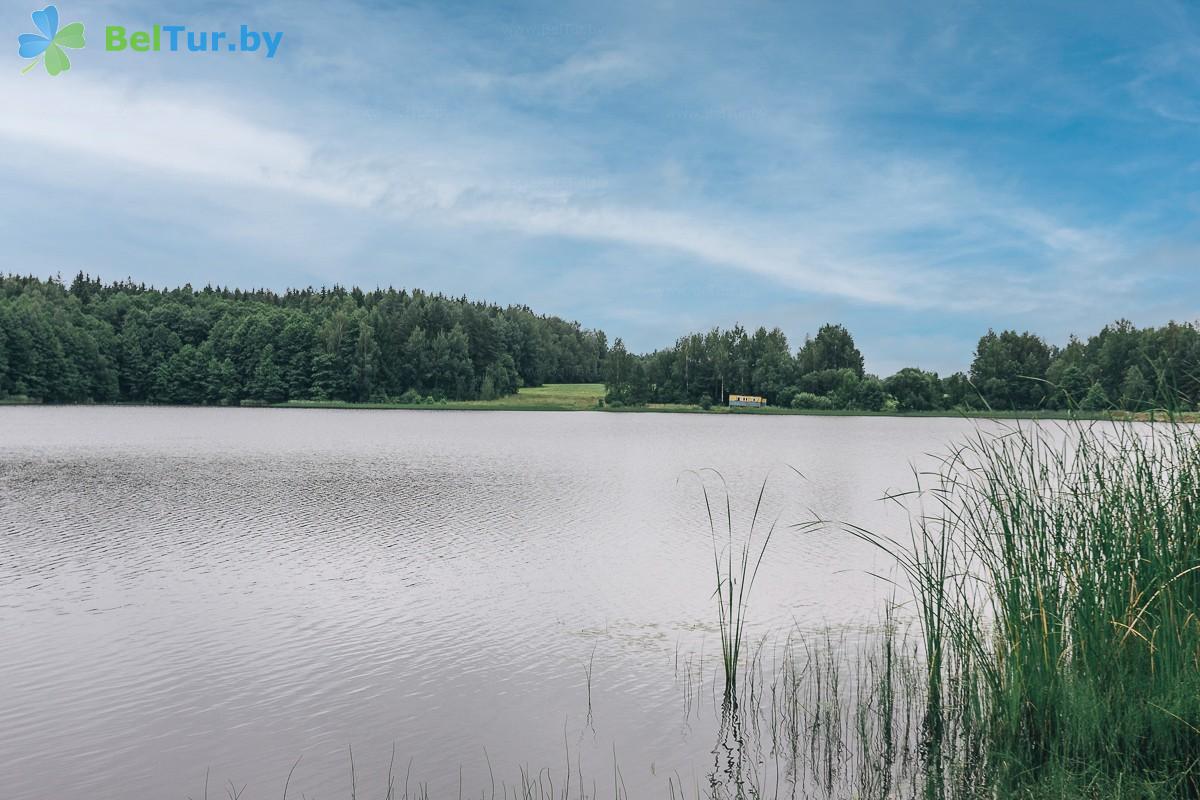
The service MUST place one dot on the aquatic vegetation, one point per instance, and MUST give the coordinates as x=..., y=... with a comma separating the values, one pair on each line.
x=1056, y=573
x=1050, y=649
x=735, y=567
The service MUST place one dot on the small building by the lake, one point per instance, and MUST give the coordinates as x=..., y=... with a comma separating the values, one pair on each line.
x=751, y=400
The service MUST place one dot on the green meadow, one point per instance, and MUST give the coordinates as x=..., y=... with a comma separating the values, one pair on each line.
x=551, y=397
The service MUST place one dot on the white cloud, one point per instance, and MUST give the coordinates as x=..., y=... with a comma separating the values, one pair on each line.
x=575, y=75
x=172, y=132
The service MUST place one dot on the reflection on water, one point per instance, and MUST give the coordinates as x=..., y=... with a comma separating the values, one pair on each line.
x=219, y=591
x=731, y=769
x=832, y=714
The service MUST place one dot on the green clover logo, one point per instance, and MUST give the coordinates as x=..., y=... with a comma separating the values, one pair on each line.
x=50, y=42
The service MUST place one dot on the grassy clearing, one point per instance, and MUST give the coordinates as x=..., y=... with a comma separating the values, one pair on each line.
x=551, y=397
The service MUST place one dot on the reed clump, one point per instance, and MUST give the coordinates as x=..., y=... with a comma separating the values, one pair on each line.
x=736, y=561
x=1057, y=576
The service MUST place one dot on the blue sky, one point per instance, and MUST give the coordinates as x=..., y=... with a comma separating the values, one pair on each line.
x=918, y=172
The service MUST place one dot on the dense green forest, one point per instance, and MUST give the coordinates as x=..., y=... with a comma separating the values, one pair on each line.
x=1121, y=367
x=94, y=342
x=124, y=342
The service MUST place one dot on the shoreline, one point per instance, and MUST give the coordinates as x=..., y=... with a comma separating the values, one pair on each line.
x=513, y=404
x=479, y=405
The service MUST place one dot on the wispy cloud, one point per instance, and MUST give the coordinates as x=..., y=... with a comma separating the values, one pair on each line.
x=827, y=250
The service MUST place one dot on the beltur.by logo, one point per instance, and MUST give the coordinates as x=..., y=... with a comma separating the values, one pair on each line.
x=175, y=38
x=47, y=47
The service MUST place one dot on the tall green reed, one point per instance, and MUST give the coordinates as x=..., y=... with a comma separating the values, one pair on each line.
x=735, y=567
x=1056, y=574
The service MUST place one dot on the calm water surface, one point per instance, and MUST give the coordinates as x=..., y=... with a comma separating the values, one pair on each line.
x=222, y=591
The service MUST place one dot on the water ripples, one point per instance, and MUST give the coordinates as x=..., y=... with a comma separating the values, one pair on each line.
x=184, y=590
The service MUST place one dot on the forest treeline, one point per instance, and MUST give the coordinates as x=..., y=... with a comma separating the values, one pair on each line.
x=94, y=342
x=1121, y=367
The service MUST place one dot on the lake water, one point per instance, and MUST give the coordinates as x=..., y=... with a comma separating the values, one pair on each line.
x=220, y=592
